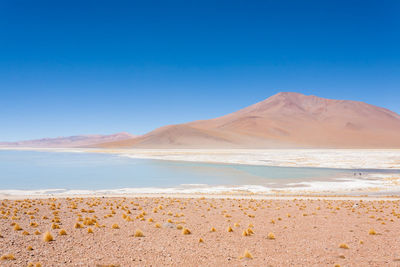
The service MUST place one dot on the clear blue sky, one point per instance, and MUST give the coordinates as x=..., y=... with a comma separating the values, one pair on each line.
x=80, y=67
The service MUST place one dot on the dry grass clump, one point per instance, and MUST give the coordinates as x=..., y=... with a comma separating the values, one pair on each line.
x=47, y=237
x=230, y=229
x=201, y=240
x=77, y=225
x=138, y=233
x=62, y=232
x=17, y=227
x=37, y=232
x=115, y=226
x=248, y=232
x=246, y=255
x=38, y=264
x=90, y=230
x=25, y=233
x=29, y=248
x=344, y=245
x=372, y=232
x=271, y=236
x=157, y=225
x=7, y=257
x=179, y=227
x=186, y=231
x=213, y=229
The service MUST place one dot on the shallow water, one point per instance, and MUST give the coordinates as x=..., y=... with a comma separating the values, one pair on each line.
x=32, y=170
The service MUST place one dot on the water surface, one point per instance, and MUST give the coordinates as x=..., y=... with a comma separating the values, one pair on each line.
x=32, y=170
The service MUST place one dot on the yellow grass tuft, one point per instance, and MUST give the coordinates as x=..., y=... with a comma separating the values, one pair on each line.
x=179, y=227
x=150, y=220
x=186, y=231
x=38, y=264
x=236, y=225
x=344, y=245
x=246, y=255
x=17, y=227
x=62, y=232
x=157, y=225
x=372, y=232
x=29, y=248
x=7, y=257
x=201, y=240
x=90, y=230
x=115, y=226
x=250, y=231
x=138, y=233
x=271, y=236
x=213, y=229
x=47, y=237
x=77, y=225
x=25, y=233
x=230, y=229
x=37, y=232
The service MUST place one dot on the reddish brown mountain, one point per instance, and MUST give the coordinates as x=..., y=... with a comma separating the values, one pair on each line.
x=285, y=120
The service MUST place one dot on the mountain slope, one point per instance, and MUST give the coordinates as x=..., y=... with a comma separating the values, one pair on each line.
x=282, y=121
x=70, y=141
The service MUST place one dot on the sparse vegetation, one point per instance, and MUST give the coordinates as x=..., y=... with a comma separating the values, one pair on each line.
x=47, y=237
x=138, y=233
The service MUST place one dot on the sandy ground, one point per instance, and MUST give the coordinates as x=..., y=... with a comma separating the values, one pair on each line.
x=302, y=232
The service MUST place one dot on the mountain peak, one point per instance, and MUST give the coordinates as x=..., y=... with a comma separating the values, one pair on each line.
x=294, y=97
x=287, y=94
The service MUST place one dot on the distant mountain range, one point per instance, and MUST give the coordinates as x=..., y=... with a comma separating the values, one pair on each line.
x=70, y=141
x=285, y=120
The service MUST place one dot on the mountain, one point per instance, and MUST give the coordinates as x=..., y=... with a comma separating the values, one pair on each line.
x=70, y=141
x=285, y=120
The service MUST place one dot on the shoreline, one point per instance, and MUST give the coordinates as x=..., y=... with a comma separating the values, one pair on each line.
x=390, y=197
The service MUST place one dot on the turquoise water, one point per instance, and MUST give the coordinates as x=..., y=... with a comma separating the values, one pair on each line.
x=31, y=170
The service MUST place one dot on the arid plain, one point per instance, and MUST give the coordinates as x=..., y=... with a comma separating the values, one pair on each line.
x=200, y=232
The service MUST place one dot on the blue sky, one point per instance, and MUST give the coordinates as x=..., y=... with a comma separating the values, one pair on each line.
x=81, y=67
